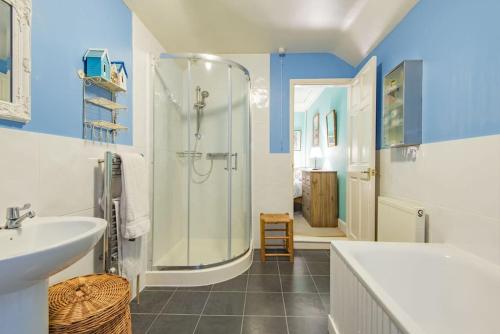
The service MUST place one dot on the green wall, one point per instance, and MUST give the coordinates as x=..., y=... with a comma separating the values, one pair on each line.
x=334, y=158
x=299, y=120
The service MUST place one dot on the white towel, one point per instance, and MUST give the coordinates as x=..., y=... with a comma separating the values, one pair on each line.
x=134, y=206
x=129, y=252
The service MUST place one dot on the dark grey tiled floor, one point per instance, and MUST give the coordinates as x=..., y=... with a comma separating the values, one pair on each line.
x=275, y=297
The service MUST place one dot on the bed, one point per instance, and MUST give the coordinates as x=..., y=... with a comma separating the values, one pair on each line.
x=297, y=183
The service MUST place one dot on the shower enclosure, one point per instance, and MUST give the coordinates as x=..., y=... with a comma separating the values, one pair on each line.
x=202, y=211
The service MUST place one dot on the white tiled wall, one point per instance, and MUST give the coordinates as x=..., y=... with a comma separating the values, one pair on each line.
x=458, y=182
x=59, y=176
x=145, y=46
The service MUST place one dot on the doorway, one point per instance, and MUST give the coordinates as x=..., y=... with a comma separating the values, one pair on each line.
x=319, y=143
x=334, y=171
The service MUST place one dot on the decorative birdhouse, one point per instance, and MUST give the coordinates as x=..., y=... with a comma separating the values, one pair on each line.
x=122, y=73
x=114, y=74
x=97, y=63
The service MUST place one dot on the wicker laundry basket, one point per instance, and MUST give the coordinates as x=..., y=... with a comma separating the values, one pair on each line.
x=97, y=304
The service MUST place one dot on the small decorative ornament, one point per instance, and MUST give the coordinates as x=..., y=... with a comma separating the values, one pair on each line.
x=122, y=74
x=97, y=63
x=114, y=74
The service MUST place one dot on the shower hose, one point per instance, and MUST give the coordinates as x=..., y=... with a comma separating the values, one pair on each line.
x=204, y=176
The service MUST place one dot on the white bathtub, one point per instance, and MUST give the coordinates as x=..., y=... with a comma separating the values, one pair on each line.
x=391, y=288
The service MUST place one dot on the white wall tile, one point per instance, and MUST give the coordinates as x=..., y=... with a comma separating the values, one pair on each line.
x=60, y=175
x=145, y=46
x=66, y=176
x=458, y=183
x=19, y=169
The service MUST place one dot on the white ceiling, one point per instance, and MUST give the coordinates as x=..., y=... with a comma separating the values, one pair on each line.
x=348, y=28
x=305, y=95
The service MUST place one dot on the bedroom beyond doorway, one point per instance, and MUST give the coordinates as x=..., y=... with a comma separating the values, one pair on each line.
x=320, y=161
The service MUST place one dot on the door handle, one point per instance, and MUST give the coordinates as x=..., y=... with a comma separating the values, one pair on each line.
x=229, y=161
x=235, y=161
x=367, y=173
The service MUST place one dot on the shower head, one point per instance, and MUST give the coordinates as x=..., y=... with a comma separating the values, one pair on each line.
x=204, y=95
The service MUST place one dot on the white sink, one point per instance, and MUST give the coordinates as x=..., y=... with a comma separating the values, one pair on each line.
x=29, y=256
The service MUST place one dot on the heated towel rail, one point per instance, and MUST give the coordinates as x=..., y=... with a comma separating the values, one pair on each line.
x=112, y=191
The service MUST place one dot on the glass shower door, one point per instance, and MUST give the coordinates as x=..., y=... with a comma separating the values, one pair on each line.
x=170, y=189
x=208, y=166
x=240, y=169
x=201, y=167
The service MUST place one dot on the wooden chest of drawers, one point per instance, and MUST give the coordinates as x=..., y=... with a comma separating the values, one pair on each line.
x=319, y=198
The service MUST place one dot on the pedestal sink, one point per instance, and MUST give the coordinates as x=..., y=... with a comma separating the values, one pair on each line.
x=29, y=256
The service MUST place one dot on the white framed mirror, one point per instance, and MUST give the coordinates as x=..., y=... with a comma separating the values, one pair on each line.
x=15, y=60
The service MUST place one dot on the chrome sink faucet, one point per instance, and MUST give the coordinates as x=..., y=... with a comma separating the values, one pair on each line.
x=14, y=220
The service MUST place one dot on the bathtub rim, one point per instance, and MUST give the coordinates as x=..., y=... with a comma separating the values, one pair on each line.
x=342, y=248
x=345, y=250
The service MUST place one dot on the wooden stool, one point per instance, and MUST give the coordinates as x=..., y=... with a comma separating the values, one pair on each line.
x=276, y=219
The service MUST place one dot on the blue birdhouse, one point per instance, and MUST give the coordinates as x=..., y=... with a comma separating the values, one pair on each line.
x=97, y=63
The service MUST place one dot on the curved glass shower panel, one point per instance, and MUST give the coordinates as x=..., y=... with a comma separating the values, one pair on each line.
x=201, y=162
x=170, y=187
x=240, y=163
x=209, y=186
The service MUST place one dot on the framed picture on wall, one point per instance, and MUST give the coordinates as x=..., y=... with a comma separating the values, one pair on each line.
x=315, y=132
x=297, y=140
x=331, y=128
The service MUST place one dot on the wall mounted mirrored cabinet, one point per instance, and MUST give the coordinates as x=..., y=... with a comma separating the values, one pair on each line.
x=402, y=115
x=15, y=60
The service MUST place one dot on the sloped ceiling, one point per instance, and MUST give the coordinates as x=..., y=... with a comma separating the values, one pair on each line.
x=306, y=95
x=348, y=28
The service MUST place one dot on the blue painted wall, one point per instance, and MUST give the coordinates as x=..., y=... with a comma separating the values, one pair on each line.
x=61, y=33
x=296, y=66
x=459, y=44
x=5, y=65
x=334, y=158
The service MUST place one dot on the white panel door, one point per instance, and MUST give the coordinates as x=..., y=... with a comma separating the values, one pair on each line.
x=361, y=154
